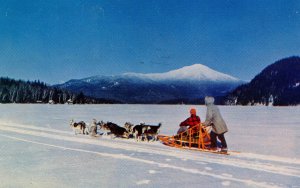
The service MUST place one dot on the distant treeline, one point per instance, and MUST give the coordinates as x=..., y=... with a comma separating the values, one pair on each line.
x=199, y=101
x=19, y=91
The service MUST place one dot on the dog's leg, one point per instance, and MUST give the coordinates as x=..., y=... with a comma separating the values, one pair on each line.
x=111, y=136
x=74, y=131
x=81, y=129
x=141, y=138
x=87, y=130
x=154, y=137
x=135, y=136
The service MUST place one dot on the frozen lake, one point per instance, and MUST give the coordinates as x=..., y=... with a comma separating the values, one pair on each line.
x=38, y=148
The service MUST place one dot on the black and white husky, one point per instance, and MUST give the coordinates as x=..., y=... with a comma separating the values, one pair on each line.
x=146, y=131
x=114, y=129
x=79, y=127
x=152, y=131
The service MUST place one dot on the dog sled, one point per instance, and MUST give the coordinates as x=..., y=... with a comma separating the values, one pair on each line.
x=195, y=138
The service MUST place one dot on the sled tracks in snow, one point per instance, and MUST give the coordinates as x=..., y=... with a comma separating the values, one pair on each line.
x=270, y=166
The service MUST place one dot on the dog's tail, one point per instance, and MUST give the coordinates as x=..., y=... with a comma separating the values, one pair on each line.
x=159, y=124
x=158, y=129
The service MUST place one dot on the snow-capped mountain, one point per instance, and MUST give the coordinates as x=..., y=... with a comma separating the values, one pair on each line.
x=196, y=72
x=190, y=82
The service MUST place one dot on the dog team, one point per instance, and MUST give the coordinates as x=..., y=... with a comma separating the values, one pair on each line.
x=139, y=132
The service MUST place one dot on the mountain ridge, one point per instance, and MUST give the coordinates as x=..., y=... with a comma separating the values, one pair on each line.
x=190, y=82
x=278, y=84
x=196, y=72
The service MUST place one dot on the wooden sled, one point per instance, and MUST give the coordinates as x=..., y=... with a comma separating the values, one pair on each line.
x=195, y=138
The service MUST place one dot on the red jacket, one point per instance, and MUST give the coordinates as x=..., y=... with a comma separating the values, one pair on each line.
x=191, y=121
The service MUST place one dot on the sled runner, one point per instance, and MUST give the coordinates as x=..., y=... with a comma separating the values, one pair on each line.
x=195, y=138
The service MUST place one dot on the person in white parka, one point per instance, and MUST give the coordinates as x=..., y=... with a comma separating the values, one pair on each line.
x=219, y=127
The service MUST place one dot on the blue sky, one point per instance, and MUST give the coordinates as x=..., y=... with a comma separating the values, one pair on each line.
x=57, y=40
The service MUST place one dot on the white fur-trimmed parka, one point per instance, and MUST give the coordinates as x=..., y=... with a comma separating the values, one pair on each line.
x=214, y=118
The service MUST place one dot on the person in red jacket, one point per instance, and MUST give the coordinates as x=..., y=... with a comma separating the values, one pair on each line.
x=189, y=122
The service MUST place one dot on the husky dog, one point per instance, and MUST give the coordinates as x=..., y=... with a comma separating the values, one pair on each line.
x=93, y=128
x=103, y=126
x=152, y=131
x=138, y=131
x=129, y=127
x=145, y=131
x=79, y=128
x=114, y=129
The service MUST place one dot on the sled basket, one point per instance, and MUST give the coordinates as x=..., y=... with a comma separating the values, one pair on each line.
x=196, y=137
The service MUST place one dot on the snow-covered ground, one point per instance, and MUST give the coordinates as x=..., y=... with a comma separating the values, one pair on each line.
x=38, y=148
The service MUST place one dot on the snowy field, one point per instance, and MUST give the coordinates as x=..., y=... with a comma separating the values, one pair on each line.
x=38, y=148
